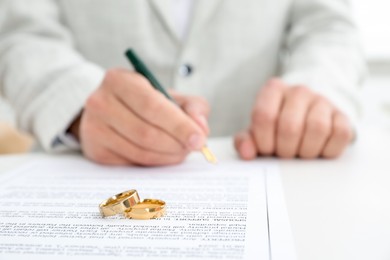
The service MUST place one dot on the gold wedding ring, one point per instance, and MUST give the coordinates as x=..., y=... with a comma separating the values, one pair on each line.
x=147, y=209
x=119, y=203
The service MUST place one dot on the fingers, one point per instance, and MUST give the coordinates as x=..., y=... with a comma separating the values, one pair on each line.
x=291, y=121
x=125, y=122
x=119, y=151
x=155, y=109
x=294, y=122
x=136, y=130
x=265, y=115
x=137, y=155
x=317, y=130
x=197, y=108
x=341, y=136
x=245, y=145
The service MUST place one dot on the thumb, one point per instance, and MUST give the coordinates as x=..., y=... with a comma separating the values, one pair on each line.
x=195, y=107
x=245, y=145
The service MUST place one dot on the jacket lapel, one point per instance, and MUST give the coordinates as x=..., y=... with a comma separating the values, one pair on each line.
x=164, y=10
x=203, y=11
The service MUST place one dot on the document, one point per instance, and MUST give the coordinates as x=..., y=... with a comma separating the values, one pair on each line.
x=49, y=210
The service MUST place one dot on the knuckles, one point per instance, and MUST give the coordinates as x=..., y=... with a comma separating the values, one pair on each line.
x=299, y=91
x=318, y=127
x=342, y=132
x=262, y=117
x=289, y=128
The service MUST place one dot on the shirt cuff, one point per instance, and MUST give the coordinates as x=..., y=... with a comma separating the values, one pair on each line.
x=63, y=102
x=66, y=141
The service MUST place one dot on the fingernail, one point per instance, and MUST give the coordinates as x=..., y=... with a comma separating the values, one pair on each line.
x=195, y=142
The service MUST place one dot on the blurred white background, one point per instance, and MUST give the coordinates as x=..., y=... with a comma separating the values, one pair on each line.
x=373, y=19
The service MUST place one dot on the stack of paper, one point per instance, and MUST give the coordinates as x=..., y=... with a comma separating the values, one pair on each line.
x=235, y=210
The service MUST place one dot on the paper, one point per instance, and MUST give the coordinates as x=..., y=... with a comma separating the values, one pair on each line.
x=49, y=210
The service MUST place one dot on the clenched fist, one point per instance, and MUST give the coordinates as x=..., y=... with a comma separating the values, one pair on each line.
x=293, y=122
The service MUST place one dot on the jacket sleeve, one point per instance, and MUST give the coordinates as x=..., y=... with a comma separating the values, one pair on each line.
x=323, y=52
x=41, y=73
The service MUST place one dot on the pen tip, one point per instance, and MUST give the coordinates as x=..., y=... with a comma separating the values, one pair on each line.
x=210, y=157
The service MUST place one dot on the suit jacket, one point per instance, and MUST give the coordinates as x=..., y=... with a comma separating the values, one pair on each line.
x=53, y=54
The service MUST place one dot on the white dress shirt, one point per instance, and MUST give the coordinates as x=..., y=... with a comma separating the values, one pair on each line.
x=182, y=14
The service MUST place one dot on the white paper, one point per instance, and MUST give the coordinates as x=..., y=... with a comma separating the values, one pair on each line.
x=49, y=210
x=280, y=236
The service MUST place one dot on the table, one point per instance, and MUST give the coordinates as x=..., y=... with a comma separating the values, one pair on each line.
x=338, y=209
x=341, y=209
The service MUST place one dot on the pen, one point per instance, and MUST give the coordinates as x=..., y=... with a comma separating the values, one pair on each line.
x=141, y=68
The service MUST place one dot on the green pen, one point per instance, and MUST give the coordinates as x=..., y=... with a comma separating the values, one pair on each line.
x=141, y=68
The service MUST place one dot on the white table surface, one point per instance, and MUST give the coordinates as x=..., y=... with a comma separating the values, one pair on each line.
x=338, y=209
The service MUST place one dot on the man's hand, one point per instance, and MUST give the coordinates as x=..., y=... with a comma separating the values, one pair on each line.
x=294, y=122
x=126, y=121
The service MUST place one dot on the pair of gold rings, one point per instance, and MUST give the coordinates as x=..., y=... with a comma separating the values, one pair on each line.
x=129, y=204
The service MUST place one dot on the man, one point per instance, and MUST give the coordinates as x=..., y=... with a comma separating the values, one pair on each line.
x=281, y=73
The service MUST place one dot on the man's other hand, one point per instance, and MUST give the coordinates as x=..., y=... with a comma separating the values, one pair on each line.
x=291, y=122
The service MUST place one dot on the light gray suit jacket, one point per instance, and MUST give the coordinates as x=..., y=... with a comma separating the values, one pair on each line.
x=53, y=54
